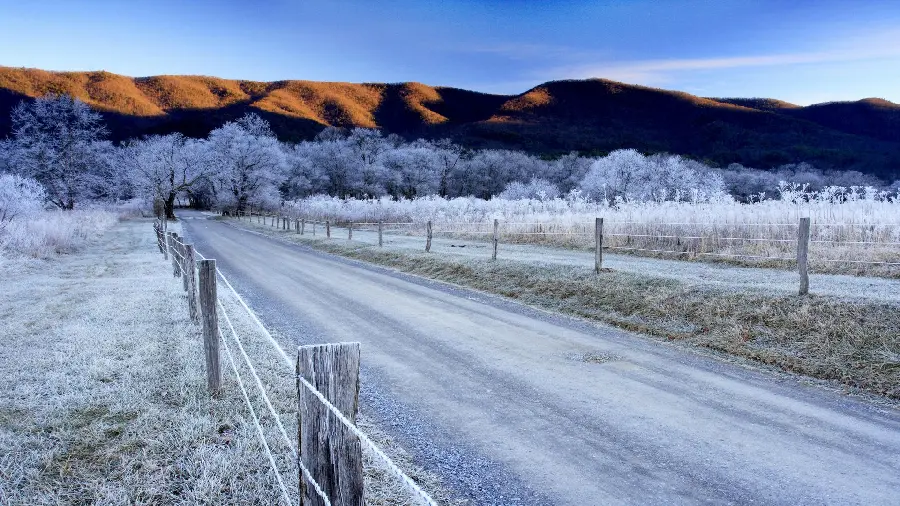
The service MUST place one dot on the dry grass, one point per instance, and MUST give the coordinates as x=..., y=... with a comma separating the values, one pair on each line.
x=54, y=232
x=854, y=343
x=104, y=390
x=860, y=236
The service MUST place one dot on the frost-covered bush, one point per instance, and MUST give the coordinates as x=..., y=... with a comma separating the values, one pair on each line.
x=540, y=189
x=20, y=197
x=53, y=232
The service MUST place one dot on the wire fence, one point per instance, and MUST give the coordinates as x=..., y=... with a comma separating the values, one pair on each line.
x=182, y=256
x=843, y=248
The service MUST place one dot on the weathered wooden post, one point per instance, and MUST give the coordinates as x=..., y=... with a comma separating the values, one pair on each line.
x=207, y=271
x=182, y=249
x=190, y=264
x=328, y=448
x=428, y=237
x=173, y=253
x=297, y=225
x=598, y=244
x=327, y=229
x=302, y=226
x=380, y=227
x=350, y=231
x=496, y=238
x=803, y=255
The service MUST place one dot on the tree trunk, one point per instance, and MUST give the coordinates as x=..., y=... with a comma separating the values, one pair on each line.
x=170, y=207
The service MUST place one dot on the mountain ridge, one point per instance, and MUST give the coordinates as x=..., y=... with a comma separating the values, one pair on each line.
x=591, y=116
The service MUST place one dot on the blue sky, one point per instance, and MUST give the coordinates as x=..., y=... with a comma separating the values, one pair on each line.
x=800, y=51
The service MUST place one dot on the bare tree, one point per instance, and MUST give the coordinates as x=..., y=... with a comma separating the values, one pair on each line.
x=250, y=163
x=164, y=167
x=56, y=142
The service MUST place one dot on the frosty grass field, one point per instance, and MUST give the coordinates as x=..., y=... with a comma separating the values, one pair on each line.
x=106, y=402
x=853, y=231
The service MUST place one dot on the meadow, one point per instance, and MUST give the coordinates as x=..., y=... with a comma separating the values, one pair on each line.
x=853, y=230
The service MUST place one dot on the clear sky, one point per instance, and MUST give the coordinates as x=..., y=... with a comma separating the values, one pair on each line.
x=795, y=50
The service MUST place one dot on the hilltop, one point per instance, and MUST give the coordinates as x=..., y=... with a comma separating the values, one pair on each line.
x=591, y=116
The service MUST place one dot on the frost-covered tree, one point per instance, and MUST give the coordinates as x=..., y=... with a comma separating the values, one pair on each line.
x=56, y=141
x=249, y=163
x=413, y=170
x=448, y=157
x=489, y=171
x=164, y=167
x=568, y=170
x=6, y=154
x=19, y=196
x=630, y=176
x=368, y=148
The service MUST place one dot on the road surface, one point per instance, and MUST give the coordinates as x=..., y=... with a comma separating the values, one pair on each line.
x=511, y=405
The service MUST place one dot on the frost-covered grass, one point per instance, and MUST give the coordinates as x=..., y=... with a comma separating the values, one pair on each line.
x=853, y=342
x=51, y=233
x=849, y=227
x=104, y=390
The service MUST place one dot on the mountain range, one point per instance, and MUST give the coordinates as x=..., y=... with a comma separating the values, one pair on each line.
x=591, y=116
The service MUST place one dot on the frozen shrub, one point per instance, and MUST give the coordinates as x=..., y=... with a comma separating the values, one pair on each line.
x=53, y=232
x=19, y=197
x=540, y=189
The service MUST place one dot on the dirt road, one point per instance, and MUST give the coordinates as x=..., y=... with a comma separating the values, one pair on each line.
x=514, y=406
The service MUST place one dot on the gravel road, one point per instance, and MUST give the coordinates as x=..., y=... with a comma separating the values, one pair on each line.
x=718, y=275
x=511, y=405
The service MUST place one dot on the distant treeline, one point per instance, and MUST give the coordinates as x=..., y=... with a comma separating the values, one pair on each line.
x=60, y=143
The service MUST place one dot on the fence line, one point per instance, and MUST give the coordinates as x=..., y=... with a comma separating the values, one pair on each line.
x=414, y=487
x=752, y=250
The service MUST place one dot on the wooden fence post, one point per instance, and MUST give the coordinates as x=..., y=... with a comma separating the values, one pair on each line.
x=302, y=226
x=380, y=227
x=190, y=264
x=207, y=271
x=496, y=238
x=182, y=249
x=329, y=449
x=297, y=225
x=428, y=237
x=803, y=255
x=174, y=254
x=327, y=229
x=350, y=231
x=157, y=229
x=598, y=245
